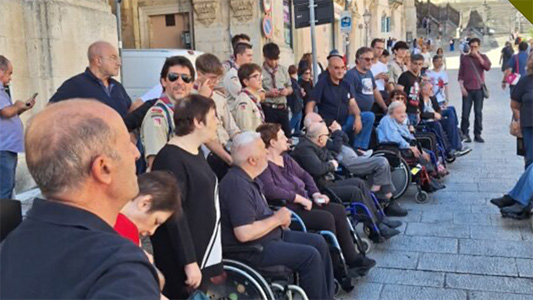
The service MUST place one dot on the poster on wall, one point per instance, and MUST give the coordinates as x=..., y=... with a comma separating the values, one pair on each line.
x=287, y=22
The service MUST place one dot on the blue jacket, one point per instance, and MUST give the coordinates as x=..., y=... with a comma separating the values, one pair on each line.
x=390, y=131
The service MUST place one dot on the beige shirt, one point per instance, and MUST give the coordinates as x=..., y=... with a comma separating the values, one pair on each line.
x=157, y=128
x=395, y=71
x=246, y=113
x=232, y=85
x=282, y=81
x=227, y=128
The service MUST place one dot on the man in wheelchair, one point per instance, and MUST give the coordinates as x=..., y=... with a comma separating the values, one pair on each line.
x=312, y=155
x=247, y=220
x=375, y=169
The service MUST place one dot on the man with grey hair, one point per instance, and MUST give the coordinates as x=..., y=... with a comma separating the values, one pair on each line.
x=11, y=133
x=312, y=155
x=247, y=220
x=377, y=168
x=97, y=82
x=81, y=158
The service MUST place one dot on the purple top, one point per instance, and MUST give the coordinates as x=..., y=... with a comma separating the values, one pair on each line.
x=283, y=183
x=468, y=74
x=11, y=130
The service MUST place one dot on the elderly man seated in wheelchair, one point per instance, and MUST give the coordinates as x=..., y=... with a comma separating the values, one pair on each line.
x=312, y=155
x=375, y=168
x=247, y=220
x=284, y=179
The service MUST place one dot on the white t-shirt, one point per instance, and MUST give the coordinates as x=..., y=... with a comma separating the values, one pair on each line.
x=377, y=68
x=440, y=81
x=153, y=93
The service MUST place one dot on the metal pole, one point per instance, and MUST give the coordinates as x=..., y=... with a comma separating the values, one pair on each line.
x=313, y=41
x=119, y=32
x=347, y=38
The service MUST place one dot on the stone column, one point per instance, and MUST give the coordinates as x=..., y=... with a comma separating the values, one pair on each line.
x=410, y=18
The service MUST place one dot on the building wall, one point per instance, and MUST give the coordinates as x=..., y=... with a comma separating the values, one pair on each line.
x=47, y=43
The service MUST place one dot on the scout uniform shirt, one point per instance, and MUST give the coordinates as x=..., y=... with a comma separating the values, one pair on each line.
x=157, y=127
x=226, y=128
x=232, y=84
x=247, y=111
x=276, y=78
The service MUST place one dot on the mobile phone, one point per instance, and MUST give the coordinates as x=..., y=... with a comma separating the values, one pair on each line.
x=32, y=97
x=320, y=200
x=281, y=89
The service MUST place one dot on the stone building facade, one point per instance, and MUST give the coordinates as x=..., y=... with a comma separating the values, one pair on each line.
x=47, y=41
x=210, y=24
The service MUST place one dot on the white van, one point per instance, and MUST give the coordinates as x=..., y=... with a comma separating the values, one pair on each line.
x=141, y=68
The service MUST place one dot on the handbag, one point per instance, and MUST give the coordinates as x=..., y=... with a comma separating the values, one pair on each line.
x=512, y=79
x=520, y=148
x=484, y=88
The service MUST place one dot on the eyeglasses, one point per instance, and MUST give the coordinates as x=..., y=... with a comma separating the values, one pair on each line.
x=367, y=59
x=174, y=76
x=399, y=97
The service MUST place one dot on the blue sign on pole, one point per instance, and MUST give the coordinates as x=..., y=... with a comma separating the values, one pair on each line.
x=267, y=26
x=346, y=22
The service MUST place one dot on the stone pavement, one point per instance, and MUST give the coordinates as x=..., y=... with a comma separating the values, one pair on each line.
x=457, y=246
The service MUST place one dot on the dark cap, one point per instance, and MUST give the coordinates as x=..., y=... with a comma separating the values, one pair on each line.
x=335, y=53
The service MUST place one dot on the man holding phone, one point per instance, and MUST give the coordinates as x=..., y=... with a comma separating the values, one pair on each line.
x=12, y=133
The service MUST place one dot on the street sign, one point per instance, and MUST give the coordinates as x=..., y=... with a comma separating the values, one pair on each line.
x=267, y=6
x=267, y=26
x=346, y=22
x=323, y=12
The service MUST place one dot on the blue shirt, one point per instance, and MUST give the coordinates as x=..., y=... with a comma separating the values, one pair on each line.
x=11, y=130
x=63, y=252
x=390, y=131
x=364, y=85
x=333, y=99
x=86, y=85
x=522, y=63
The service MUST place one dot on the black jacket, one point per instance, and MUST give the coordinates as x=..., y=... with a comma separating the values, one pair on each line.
x=315, y=160
x=338, y=139
x=428, y=115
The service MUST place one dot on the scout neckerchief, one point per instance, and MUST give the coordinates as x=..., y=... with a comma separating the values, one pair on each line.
x=256, y=102
x=272, y=73
x=166, y=107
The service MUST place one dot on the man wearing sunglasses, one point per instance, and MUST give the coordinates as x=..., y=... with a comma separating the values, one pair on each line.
x=177, y=79
x=366, y=94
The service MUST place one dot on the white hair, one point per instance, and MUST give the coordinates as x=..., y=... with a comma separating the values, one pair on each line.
x=393, y=106
x=242, y=146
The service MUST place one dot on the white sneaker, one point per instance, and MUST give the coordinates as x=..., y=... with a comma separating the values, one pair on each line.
x=365, y=154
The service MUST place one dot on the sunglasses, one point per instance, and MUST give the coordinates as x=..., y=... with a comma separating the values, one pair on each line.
x=174, y=76
x=367, y=59
x=399, y=97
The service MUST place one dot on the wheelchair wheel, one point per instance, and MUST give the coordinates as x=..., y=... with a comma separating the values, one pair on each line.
x=421, y=197
x=347, y=285
x=450, y=159
x=400, y=173
x=241, y=282
x=366, y=245
x=337, y=287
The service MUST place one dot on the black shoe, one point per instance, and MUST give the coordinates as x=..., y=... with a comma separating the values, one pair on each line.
x=387, y=232
x=395, y=210
x=466, y=138
x=478, y=139
x=451, y=154
x=502, y=201
x=391, y=223
x=361, y=261
x=463, y=151
x=516, y=208
x=524, y=214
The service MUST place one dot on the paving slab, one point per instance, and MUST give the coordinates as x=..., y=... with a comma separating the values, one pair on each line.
x=453, y=263
x=402, y=292
x=438, y=230
x=490, y=283
x=405, y=277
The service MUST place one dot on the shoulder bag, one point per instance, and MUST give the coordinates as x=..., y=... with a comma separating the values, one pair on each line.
x=486, y=94
x=512, y=79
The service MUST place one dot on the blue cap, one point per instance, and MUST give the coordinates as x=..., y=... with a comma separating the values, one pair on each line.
x=334, y=53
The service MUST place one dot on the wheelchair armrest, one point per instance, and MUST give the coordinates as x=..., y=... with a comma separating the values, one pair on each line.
x=243, y=249
x=389, y=144
x=277, y=202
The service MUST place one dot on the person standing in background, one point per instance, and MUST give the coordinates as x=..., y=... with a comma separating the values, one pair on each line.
x=12, y=132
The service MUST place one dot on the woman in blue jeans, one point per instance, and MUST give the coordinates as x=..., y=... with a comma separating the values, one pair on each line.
x=522, y=107
x=517, y=203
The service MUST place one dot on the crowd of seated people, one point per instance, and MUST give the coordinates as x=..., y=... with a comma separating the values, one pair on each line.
x=222, y=132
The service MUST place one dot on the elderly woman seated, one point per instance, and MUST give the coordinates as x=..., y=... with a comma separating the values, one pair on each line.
x=444, y=126
x=312, y=155
x=284, y=179
x=393, y=129
x=517, y=203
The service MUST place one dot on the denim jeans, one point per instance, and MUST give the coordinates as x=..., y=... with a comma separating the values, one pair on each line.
x=449, y=124
x=296, y=121
x=8, y=166
x=474, y=97
x=527, y=132
x=361, y=140
x=523, y=189
x=413, y=119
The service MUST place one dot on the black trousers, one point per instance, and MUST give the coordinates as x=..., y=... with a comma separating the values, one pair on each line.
x=474, y=97
x=307, y=254
x=331, y=217
x=355, y=190
x=279, y=116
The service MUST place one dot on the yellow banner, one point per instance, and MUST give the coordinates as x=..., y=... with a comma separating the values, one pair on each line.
x=525, y=7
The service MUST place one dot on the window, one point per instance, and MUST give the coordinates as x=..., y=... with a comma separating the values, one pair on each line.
x=170, y=20
x=287, y=22
x=385, y=23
